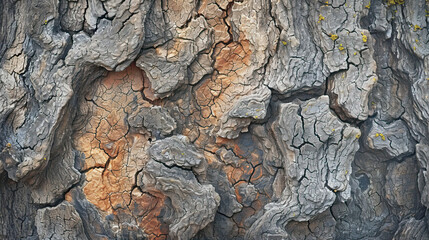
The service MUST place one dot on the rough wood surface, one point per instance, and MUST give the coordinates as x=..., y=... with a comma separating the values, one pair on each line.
x=214, y=119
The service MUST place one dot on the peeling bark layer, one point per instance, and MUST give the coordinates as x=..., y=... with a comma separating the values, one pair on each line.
x=214, y=119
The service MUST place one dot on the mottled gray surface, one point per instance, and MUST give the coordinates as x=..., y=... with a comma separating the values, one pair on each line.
x=193, y=205
x=412, y=229
x=214, y=119
x=156, y=119
x=59, y=222
x=238, y=118
x=166, y=65
x=319, y=149
x=176, y=151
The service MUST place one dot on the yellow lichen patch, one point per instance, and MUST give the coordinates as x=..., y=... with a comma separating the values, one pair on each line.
x=369, y=5
x=321, y=18
x=9, y=145
x=355, y=53
x=364, y=37
x=357, y=136
x=341, y=47
x=417, y=27
x=284, y=43
x=334, y=37
x=394, y=2
x=380, y=135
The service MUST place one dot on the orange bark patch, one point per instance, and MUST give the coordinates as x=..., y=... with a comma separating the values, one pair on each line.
x=228, y=82
x=232, y=57
x=249, y=170
x=242, y=216
x=216, y=96
x=257, y=173
x=147, y=207
x=148, y=91
x=96, y=192
x=68, y=197
x=132, y=73
x=113, y=154
x=215, y=18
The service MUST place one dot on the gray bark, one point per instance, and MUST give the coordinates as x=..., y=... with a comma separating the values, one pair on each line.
x=214, y=119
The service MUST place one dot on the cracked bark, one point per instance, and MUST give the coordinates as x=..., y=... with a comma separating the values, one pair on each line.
x=214, y=119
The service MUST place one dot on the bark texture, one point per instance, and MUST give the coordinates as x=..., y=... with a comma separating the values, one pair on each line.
x=214, y=119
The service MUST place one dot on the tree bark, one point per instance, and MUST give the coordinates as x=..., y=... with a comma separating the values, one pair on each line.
x=214, y=119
